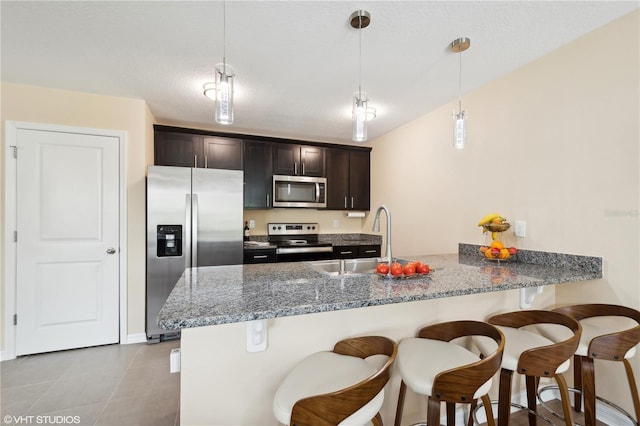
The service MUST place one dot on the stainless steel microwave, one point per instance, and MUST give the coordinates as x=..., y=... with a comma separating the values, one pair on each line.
x=299, y=191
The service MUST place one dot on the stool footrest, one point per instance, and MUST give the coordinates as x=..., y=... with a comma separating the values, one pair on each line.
x=577, y=391
x=513, y=404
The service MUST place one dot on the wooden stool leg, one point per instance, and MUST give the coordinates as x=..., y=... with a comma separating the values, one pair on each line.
x=472, y=409
x=451, y=414
x=486, y=401
x=433, y=411
x=377, y=420
x=566, y=402
x=633, y=387
x=589, y=391
x=531, y=382
x=504, y=397
x=577, y=382
x=403, y=391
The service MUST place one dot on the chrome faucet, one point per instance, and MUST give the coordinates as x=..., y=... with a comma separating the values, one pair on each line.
x=376, y=228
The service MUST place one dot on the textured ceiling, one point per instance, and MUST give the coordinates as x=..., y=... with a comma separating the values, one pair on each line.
x=296, y=61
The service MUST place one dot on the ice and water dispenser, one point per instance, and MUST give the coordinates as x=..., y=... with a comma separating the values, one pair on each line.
x=169, y=239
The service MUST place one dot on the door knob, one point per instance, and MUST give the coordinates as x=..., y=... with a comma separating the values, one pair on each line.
x=111, y=250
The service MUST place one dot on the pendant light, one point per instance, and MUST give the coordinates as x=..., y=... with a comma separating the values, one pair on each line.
x=222, y=89
x=460, y=118
x=361, y=111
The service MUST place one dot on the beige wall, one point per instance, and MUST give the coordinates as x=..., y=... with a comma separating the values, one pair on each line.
x=555, y=143
x=42, y=105
x=326, y=220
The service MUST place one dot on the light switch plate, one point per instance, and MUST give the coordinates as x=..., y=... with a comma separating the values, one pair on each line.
x=521, y=228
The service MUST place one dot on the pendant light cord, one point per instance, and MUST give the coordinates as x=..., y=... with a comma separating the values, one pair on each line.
x=224, y=37
x=360, y=56
x=460, y=83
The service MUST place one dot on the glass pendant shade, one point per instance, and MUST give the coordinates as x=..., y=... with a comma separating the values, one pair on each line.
x=459, y=129
x=360, y=119
x=224, y=96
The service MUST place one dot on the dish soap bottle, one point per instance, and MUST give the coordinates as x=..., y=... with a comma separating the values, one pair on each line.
x=246, y=231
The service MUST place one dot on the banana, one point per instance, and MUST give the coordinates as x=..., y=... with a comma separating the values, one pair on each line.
x=494, y=235
x=488, y=218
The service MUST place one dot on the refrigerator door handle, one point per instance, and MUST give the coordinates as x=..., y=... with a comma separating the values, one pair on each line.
x=194, y=231
x=187, y=231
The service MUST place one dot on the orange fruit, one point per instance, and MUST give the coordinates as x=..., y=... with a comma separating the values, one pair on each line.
x=497, y=244
x=497, y=220
x=504, y=253
x=488, y=254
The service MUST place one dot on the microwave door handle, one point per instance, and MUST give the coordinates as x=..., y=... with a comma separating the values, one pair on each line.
x=317, y=192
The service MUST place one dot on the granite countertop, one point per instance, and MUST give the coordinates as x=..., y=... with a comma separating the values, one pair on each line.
x=226, y=294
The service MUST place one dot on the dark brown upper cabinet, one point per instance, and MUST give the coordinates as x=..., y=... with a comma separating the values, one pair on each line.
x=348, y=179
x=258, y=174
x=298, y=160
x=192, y=150
x=178, y=149
x=222, y=153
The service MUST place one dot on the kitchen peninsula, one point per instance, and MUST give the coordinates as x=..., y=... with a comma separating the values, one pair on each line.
x=308, y=311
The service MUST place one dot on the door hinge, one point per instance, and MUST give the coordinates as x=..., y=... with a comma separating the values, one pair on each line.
x=15, y=150
x=15, y=319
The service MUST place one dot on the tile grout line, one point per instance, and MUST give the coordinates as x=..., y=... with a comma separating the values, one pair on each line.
x=116, y=386
x=48, y=389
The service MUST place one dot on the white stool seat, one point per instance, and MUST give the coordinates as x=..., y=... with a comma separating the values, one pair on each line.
x=421, y=360
x=518, y=341
x=326, y=372
x=591, y=327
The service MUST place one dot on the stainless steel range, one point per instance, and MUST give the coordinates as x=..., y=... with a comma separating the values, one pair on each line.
x=298, y=242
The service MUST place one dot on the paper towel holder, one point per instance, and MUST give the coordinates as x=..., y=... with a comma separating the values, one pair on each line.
x=355, y=214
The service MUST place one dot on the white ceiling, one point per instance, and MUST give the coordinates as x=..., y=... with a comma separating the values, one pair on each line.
x=296, y=61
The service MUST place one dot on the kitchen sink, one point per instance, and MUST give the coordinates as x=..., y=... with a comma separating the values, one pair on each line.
x=351, y=266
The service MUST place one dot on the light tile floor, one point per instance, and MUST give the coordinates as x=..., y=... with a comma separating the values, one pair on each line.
x=113, y=385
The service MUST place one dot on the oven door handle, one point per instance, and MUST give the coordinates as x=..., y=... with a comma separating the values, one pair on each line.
x=296, y=250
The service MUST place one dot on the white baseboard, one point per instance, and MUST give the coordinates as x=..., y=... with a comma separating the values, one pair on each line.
x=4, y=356
x=130, y=339
x=135, y=338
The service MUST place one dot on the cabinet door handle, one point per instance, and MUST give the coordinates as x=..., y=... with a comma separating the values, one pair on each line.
x=302, y=169
x=295, y=168
x=195, y=160
x=345, y=201
x=260, y=256
x=346, y=252
x=267, y=200
x=205, y=162
x=370, y=251
x=351, y=202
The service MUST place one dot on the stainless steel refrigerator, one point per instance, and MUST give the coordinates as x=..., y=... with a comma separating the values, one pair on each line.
x=194, y=218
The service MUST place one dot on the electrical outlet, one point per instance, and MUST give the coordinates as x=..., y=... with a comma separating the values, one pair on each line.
x=521, y=228
x=252, y=224
x=336, y=223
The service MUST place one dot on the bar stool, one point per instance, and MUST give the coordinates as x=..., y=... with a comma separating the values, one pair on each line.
x=342, y=386
x=535, y=356
x=431, y=365
x=603, y=340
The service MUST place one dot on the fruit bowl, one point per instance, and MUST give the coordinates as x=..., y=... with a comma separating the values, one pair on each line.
x=497, y=227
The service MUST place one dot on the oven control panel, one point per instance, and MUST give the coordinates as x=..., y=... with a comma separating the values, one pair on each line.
x=293, y=228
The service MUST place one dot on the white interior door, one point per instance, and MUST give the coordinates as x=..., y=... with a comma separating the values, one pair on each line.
x=67, y=267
